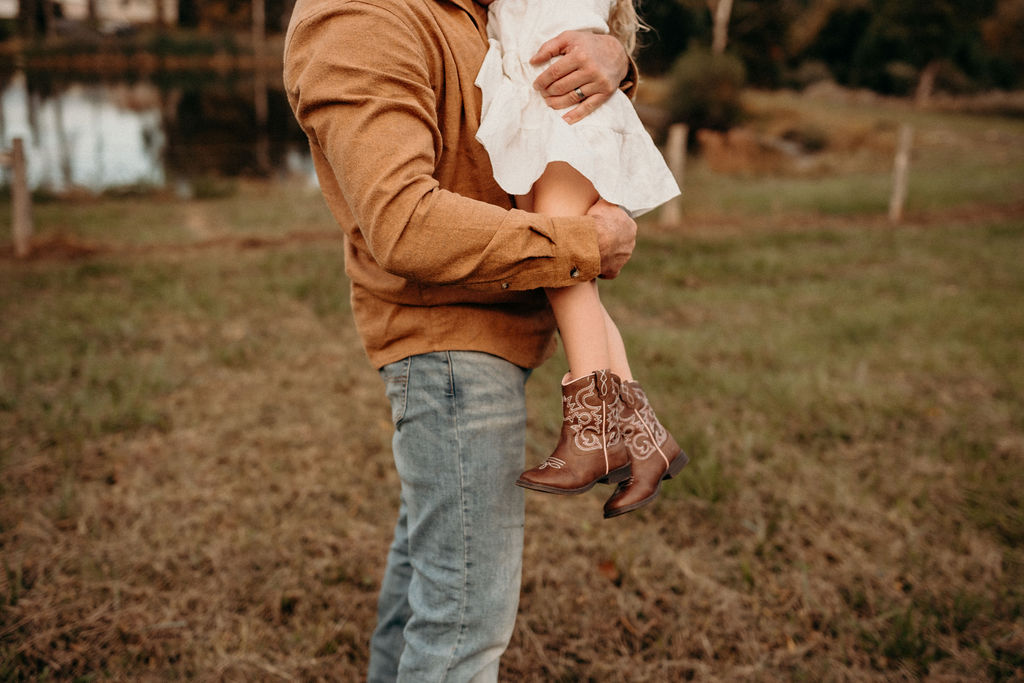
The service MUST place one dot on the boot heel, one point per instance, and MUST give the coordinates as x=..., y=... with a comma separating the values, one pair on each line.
x=648, y=444
x=677, y=464
x=616, y=475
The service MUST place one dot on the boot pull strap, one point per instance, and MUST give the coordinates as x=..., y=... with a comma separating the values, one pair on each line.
x=604, y=382
x=628, y=397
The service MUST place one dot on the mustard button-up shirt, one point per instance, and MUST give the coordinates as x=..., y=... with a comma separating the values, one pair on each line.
x=437, y=258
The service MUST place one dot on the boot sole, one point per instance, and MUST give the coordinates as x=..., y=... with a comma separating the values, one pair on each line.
x=614, y=477
x=673, y=469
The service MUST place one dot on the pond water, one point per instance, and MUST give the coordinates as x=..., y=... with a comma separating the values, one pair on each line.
x=116, y=134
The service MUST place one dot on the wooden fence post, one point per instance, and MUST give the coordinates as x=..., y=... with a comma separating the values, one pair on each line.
x=900, y=173
x=21, y=200
x=675, y=156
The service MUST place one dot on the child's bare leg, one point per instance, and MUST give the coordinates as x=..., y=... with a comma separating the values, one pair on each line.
x=581, y=324
x=563, y=191
x=590, y=398
x=616, y=349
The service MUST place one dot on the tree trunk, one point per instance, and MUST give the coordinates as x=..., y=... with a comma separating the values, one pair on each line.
x=36, y=18
x=27, y=18
x=720, y=37
x=259, y=26
x=49, y=18
x=63, y=141
x=289, y=6
x=161, y=18
x=926, y=84
x=188, y=14
x=261, y=103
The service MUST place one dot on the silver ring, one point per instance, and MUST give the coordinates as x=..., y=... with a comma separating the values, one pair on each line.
x=579, y=94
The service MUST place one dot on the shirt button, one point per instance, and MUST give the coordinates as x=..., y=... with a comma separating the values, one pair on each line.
x=504, y=285
x=575, y=272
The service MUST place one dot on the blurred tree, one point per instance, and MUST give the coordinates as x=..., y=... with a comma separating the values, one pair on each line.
x=210, y=132
x=36, y=17
x=188, y=13
x=161, y=13
x=220, y=15
x=919, y=35
x=280, y=12
x=893, y=46
x=705, y=90
x=808, y=24
x=672, y=25
x=838, y=34
x=26, y=17
x=1003, y=33
x=758, y=37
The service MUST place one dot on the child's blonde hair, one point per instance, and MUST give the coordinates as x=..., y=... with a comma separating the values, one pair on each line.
x=623, y=23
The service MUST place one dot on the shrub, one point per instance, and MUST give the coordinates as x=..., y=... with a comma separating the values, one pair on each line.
x=704, y=90
x=808, y=73
x=900, y=77
x=810, y=137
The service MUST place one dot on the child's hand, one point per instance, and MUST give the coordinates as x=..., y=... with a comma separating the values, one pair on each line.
x=590, y=69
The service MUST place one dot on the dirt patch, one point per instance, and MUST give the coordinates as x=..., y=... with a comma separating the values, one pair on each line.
x=67, y=248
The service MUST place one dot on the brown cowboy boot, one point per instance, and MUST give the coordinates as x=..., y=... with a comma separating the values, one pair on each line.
x=653, y=454
x=590, y=448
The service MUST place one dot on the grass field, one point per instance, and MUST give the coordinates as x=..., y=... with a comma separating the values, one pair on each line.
x=195, y=476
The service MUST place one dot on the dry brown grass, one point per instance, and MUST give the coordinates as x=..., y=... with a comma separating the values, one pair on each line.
x=195, y=478
x=204, y=545
x=238, y=531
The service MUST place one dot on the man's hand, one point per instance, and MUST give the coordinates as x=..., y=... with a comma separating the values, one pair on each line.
x=591, y=63
x=616, y=237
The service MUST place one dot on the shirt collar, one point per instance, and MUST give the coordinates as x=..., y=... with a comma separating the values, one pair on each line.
x=475, y=10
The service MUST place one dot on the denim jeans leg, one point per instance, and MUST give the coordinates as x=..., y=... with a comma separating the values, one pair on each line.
x=393, y=609
x=460, y=422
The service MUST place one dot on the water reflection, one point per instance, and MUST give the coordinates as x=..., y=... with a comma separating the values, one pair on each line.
x=117, y=134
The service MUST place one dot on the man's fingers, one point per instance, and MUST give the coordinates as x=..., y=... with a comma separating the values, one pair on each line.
x=578, y=74
x=569, y=97
x=589, y=63
x=584, y=108
x=553, y=80
x=551, y=48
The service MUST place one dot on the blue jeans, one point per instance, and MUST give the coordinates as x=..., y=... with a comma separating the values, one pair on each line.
x=450, y=592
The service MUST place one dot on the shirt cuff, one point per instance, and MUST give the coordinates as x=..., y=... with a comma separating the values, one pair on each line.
x=631, y=82
x=577, y=257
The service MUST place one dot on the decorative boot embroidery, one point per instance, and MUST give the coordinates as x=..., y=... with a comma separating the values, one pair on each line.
x=583, y=417
x=552, y=462
x=642, y=431
x=586, y=414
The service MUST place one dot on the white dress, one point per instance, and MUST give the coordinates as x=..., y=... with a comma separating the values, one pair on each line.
x=522, y=134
